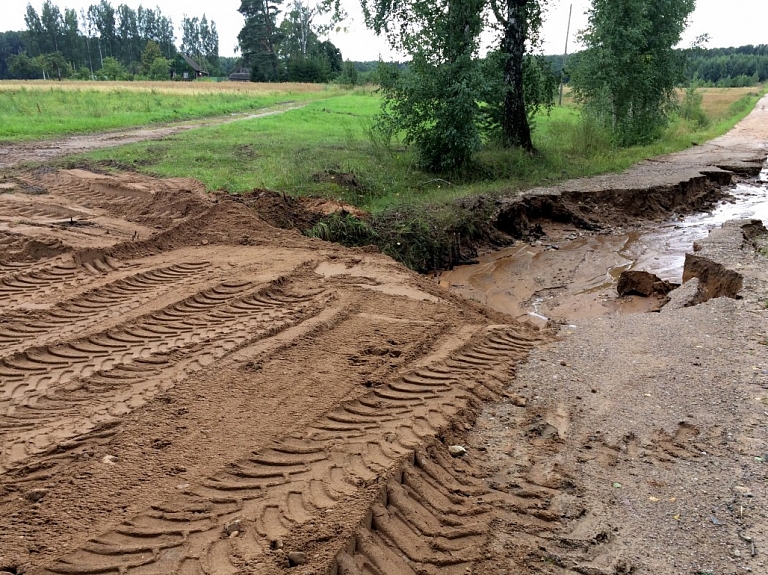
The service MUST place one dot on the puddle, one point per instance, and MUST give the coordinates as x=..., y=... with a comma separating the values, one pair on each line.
x=578, y=279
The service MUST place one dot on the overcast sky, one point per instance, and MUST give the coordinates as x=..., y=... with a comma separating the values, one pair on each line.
x=729, y=23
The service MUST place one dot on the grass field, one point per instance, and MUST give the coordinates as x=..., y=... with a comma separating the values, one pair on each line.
x=36, y=110
x=296, y=152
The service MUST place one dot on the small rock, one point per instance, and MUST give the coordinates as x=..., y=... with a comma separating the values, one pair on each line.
x=457, y=450
x=109, y=459
x=235, y=526
x=519, y=401
x=297, y=558
x=276, y=544
x=563, y=363
x=204, y=242
x=182, y=486
x=716, y=521
x=36, y=495
x=234, y=534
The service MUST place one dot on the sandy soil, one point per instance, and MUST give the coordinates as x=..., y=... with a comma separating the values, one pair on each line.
x=185, y=388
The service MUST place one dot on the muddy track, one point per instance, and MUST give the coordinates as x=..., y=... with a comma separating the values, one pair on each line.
x=187, y=389
x=276, y=491
x=129, y=306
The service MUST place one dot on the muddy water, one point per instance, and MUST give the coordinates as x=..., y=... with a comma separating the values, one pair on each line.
x=572, y=274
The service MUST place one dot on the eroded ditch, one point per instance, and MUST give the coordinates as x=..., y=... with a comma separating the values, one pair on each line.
x=569, y=267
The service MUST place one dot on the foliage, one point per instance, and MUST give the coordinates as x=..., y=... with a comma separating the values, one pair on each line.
x=23, y=67
x=520, y=23
x=159, y=69
x=259, y=38
x=690, y=106
x=112, y=69
x=344, y=228
x=627, y=75
x=730, y=67
x=149, y=55
x=54, y=65
x=434, y=102
x=99, y=32
x=349, y=74
x=291, y=51
x=200, y=39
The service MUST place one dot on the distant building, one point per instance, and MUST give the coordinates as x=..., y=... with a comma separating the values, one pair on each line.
x=185, y=68
x=240, y=73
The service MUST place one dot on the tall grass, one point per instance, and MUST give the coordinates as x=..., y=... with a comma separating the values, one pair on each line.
x=34, y=113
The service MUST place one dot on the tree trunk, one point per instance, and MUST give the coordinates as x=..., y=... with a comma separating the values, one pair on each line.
x=515, y=126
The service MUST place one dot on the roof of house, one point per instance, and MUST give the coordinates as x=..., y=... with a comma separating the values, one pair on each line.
x=240, y=73
x=195, y=66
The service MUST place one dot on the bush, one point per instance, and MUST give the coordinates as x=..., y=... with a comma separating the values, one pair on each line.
x=690, y=108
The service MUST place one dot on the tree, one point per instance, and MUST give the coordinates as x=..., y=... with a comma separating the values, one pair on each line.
x=435, y=101
x=54, y=65
x=411, y=26
x=520, y=21
x=128, y=32
x=627, y=75
x=190, y=36
x=23, y=67
x=149, y=55
x=159, y=69
x=349, y=75
x=259, y=38
x=11, y=44
x=112, y=70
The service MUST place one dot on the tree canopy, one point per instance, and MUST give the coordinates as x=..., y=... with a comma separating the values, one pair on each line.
x=450, y=99
x=291, y=51
x=627, y=74
x=84, y=41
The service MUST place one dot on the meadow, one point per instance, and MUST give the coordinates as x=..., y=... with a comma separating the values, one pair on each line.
x=34, y=110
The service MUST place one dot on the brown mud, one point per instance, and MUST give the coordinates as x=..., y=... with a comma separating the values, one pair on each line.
x=576, y=239
x=186, y=388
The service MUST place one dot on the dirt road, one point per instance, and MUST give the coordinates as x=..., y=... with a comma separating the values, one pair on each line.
x=13, y=154
x=187, y=389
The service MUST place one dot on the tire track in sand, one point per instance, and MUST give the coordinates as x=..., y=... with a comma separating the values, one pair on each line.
x=51, y=394
x=281, y=489
x=88, y=308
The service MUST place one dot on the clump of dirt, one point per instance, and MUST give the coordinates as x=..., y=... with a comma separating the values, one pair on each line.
x=279, y=210
x=341, y=179
x=637, y=282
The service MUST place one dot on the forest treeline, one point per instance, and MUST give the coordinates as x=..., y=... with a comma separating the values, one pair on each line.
x=104, y=42
x=119, y=43
x=719, y=67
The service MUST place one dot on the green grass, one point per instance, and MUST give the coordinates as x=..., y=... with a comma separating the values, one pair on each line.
x=291, y=152
x=35, y=113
